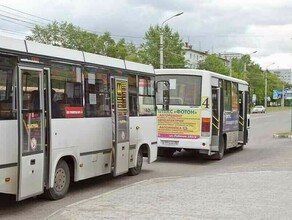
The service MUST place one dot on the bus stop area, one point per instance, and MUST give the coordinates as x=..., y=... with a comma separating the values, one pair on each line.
x=244, y=195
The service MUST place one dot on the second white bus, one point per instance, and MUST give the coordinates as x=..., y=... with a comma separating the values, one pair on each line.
x=208, y=112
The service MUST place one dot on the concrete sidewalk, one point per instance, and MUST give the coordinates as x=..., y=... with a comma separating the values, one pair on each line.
x=250, y=195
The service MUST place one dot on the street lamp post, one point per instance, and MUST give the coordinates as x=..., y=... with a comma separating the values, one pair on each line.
x=244, y=65
x=283, y=98
x=230, y=70
x=244, y=68
x=266, y=83
x=161, y=38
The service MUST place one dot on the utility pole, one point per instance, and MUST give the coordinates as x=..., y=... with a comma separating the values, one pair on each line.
x=244, y=65
x=283, y=100
x=161, y=38
x=266, y=84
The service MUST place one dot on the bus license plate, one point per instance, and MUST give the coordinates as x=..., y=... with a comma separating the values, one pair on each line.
x=172, y=143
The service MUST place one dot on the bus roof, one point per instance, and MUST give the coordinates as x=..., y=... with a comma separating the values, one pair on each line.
x=197, y=72
x=11, y=45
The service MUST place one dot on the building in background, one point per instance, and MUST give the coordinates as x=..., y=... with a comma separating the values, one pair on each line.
x=283, y=74
x=194, y=57
x=286, y=76
x=229, y=56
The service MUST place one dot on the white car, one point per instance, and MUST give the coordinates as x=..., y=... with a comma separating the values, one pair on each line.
x=259, y=109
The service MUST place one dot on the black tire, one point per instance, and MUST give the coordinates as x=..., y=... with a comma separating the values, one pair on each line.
x=220, y=154
x=247, y=137
x=137, y=169
x=61, y=182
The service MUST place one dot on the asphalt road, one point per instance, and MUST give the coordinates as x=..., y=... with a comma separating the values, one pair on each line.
x=263, y=153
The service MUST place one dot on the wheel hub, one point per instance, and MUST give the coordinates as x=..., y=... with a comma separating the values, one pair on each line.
x=60, y=179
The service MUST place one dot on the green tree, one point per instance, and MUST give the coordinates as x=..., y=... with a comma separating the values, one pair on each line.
x=127, y=51
x=213, y=63
x=247, y=70
x=256, y=80
x=132, y=53
x=173, y=54
x=69, y=36
x=61, y=34
x=255, y=76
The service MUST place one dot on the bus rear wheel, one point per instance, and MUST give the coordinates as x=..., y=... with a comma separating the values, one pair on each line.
x=61, y=182
x=137, y=169
x=220, y=154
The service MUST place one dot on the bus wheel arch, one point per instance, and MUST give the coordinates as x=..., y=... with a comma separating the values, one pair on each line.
x=63, y=174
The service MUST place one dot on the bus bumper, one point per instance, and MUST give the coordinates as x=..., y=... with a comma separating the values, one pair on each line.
x=194, y=144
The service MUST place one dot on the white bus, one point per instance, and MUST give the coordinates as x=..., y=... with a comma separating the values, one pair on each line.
x=208, y=112
x=70, y=115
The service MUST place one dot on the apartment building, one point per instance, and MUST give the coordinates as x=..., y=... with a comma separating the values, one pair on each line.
x=194, y=57
x=283, y=74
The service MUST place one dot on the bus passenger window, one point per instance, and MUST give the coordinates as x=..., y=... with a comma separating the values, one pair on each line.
x=97, y=92
x=6, y=88
x=227, y=96
x=146, y=96
x=66, y=94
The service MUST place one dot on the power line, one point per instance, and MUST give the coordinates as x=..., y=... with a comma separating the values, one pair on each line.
x=22, y=17
x=33, y=22
x=15, y=22
x=26, y=13
x=16, y=19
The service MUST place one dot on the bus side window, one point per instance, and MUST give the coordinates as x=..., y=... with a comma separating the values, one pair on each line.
x=68, y=91
x=6, y=89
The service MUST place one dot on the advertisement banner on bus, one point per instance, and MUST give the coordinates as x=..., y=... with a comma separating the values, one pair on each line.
x=179, y=123
x=230, y=121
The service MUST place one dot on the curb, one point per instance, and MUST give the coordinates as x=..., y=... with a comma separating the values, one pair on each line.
x=282, y=136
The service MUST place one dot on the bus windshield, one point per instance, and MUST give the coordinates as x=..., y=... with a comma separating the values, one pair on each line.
x=184, y=90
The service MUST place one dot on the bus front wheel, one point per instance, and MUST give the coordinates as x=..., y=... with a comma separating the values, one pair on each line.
x=137, y=169
x=61, y=182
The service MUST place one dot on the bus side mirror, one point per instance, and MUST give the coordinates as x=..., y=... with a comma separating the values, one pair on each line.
x=162, y=92
x=165, y=105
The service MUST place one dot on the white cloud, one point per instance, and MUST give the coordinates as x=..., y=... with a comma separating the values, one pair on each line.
x=214, y=25
x=280, y=60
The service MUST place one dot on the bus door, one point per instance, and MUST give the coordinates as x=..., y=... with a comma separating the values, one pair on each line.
x=242, y=136
x=216, y=122
x=31, y=131
x=121, y=125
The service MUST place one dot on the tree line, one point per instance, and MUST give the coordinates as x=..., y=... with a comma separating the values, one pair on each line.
x=67, y=35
